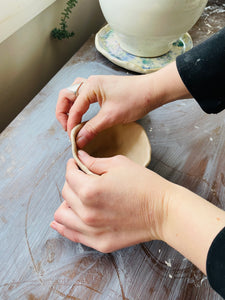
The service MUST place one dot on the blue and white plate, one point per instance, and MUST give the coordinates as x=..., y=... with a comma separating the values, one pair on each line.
x=107, y=44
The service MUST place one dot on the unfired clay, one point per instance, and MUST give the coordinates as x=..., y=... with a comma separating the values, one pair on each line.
x=129, y=140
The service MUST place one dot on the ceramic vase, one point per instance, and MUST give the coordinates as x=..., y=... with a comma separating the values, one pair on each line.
x=149, y=27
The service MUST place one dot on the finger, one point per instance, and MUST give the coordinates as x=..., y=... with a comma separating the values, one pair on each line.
x=97, y=242
x=96, y=165
x=87, y=96
x=77, y=111
x=79, y=80
x=70, y=234
x=72, y=199
x=76, y=178
x=97, y=124
x=63, y=106
x=64, y=215
x=73, y=165
x=93, y=241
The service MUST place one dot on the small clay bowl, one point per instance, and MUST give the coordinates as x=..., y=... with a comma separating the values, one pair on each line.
x=129, y=140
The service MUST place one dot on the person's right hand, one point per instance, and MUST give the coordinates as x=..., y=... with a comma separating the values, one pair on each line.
x=121, y=205
x=122, y=99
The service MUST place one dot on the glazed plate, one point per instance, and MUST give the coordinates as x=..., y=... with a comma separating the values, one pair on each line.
x=107, y=44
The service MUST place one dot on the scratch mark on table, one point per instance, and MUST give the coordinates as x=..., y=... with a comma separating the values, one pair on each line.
x=49, y=293
x=66, y=296
x=28, y=244
x=118, y=275
x=212, y=187
x=27, y=211
x=71, y=290
x=60, y=195
x=161, y=268
x=10, y=284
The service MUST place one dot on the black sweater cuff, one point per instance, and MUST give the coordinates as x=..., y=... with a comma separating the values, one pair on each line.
x=202, y=70
x=215, y=264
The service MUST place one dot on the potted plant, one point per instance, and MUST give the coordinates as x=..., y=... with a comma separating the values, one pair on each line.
x=62, y=32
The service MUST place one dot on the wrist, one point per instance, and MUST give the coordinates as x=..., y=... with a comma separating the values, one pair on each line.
x=158, y=204
x=167, y=202
x=167, y=86
x=192, y=225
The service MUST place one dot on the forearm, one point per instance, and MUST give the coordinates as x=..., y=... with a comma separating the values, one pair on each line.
x=202, y=71
x=169, y=85
x=164, y=86
x=192, y=225
x=198, y=74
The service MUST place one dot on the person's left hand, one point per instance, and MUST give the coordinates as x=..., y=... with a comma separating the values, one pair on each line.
x=123, y=206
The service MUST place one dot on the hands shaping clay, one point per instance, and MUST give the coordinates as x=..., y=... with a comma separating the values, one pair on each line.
x=129, y=140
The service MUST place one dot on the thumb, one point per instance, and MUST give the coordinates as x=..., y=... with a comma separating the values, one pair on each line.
x=98, y=166
x=97, y=124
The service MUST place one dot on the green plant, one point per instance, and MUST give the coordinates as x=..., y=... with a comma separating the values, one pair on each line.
x=62, y=32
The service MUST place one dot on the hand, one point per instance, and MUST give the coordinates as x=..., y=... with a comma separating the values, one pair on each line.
x=128, y=204
x=122, y=99
x=125, y=205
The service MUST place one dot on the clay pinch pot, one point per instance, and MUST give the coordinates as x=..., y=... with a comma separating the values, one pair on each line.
x=129, y=140
x=148, y=28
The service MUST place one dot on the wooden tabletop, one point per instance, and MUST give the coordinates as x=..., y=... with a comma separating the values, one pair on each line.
x=36, y=262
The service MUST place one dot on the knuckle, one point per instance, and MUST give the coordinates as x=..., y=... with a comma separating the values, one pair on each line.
x=69, y=162
x=94, y=82
x=76, y=111
x=92, y=79
x=89, y=218
x=57, y=114
x=119, y=158
x=88, y=193
x=62, y=231
x=67, y=176
x=75, y=237
x=64, y=192
x=57, y=216
x=92, y=166
x=62, y=93
x=58, y=111
x=91, y=129
x=104, y=246
x=68, y=169
x=78, y=79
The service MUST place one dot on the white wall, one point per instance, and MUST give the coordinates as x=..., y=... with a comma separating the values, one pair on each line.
x=14, y=14
x=29, y=57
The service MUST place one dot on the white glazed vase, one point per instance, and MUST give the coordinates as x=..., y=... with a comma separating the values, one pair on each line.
x=149, y=27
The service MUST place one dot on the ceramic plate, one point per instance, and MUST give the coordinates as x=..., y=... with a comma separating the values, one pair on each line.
x=107, y=44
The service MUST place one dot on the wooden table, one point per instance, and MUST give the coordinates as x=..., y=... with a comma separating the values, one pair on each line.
x=36, y=263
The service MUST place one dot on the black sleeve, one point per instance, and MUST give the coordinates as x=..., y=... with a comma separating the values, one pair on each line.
x=202, y=70
x=215, y=264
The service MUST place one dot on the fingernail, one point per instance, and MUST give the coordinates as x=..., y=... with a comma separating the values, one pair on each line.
x=81, y=141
